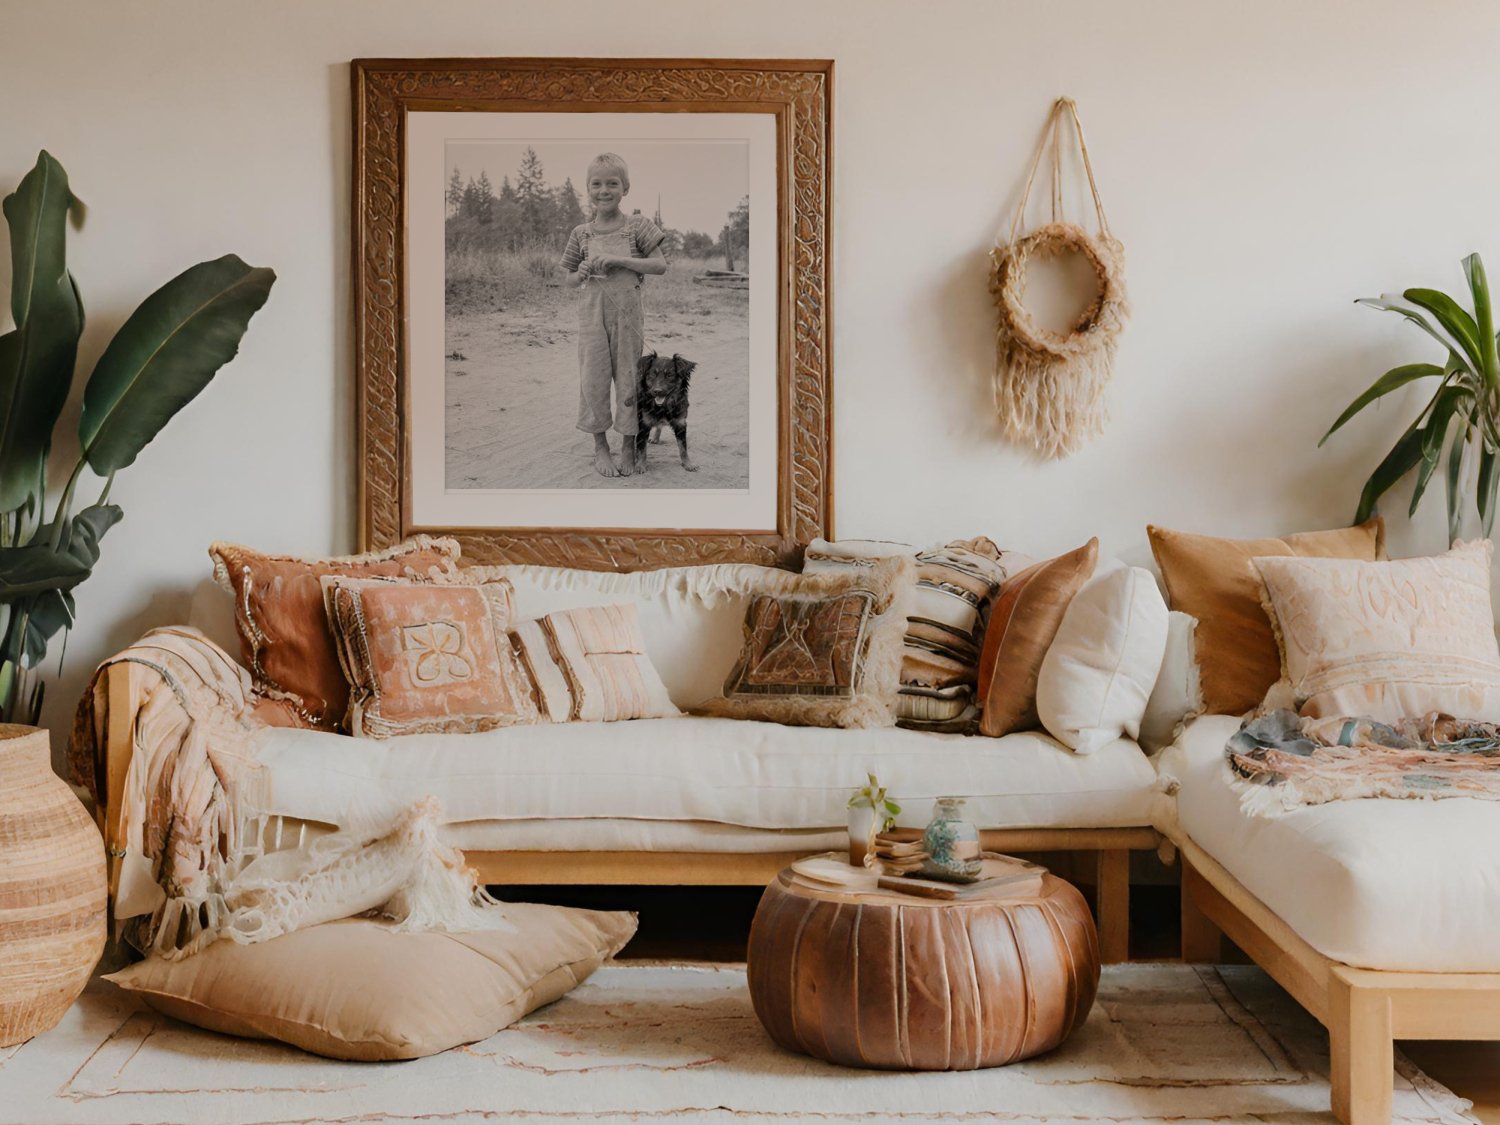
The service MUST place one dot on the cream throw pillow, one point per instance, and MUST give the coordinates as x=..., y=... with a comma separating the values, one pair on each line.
x=1390, y=640
x=590, y=666
x=356, y=990
x=1100, y=668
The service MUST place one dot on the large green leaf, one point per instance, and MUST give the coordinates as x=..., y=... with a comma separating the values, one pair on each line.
x=1484, y=316
x=35, y=568
x=1488, y=480
x=1455, y=474
x=1396, y=303
x=1448, y=402
x=1454, y=318
x=164, y=355
x=1402, y=458
x=1393, y=379
x=37, y=356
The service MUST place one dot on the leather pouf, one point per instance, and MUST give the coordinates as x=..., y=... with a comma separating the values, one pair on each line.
x=901, y=983
x=52, y=888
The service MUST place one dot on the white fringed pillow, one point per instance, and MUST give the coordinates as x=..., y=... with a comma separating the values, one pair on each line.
x=1101, y=666
x=1388, y=640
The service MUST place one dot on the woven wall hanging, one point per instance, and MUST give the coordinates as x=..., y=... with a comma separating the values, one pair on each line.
x=1049, y=386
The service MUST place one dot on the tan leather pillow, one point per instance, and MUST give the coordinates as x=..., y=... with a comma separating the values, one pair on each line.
x=1214, y=580
x=427, y=657
x=1025, y=618
x=356, y=990
x=285, y=640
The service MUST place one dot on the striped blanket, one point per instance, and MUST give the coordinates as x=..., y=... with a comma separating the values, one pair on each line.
x=1280, y=761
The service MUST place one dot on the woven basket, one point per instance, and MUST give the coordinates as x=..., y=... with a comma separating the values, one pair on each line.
x=52, y=889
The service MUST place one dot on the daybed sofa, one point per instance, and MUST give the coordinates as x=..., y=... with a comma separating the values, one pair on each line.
x=670, y=801
x=1378, y=915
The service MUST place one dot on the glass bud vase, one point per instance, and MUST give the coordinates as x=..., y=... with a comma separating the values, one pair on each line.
x=951, y=843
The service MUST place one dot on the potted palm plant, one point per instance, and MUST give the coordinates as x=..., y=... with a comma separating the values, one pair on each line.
x=1456, y=427
x=162, y=356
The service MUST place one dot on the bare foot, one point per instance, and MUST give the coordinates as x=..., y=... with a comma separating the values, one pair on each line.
x=604, y=464
x=627, y=459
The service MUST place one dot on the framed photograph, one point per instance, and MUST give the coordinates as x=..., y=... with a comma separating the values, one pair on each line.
x=592, y=307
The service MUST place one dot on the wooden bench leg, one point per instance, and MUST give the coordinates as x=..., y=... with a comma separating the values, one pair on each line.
x=1361, y=1052
x=1112, y=886
x=1202, y=941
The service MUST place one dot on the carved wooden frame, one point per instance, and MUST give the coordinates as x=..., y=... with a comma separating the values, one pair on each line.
x=796, y=91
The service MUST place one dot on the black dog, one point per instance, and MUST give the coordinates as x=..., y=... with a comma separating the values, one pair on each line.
x=661, y=398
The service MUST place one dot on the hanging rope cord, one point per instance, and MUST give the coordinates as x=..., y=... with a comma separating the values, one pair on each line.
x=1049, y=386
x=1051, y=136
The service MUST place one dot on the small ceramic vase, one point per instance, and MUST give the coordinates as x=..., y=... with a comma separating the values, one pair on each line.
x=951, y=843
x=861, y=832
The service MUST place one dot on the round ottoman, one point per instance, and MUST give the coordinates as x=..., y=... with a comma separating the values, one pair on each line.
x=884, y=979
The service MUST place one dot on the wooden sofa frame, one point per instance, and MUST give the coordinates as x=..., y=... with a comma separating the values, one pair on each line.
x=1111, y=846
x=1364, y=1010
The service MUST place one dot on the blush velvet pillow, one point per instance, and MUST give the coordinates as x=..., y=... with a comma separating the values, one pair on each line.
x=427, y=657
x=1023, y=623
x=285, y=640
x=1390, y=640
x=823, y=650
x=1214, y=580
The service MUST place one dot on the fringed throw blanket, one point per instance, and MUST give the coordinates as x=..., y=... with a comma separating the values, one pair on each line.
x=1281, y=761
x=191, y=841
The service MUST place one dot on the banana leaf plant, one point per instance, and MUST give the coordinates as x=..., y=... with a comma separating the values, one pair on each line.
x=1457, y=427
x=162, y=356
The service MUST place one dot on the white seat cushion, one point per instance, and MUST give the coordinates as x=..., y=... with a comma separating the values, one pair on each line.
x=1377, y=883
x=730, y=771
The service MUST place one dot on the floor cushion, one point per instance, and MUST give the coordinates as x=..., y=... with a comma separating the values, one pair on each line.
x=1376, y=883
x=356, y=990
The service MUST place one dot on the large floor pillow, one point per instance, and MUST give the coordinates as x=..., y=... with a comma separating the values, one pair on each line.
x=358, y=990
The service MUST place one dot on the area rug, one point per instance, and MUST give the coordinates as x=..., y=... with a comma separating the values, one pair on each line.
x=647, y=1042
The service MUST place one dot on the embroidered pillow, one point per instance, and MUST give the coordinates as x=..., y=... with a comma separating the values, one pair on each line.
x=284, y=635
x=1026, y=617
x=590, y=665
x=823, y=649
x=1213, y=580
x=1388, y=640
x=956, y=584
x=424, y=657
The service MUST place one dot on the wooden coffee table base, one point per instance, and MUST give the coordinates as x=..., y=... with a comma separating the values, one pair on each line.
x=886, y=980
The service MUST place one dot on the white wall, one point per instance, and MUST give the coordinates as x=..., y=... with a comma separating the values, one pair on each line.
x=1264, y=164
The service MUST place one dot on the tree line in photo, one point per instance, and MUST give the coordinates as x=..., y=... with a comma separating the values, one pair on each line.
x=531, y=215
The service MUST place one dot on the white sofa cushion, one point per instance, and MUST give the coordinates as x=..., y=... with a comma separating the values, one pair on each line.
x=731, y=771
x=1101, y=665
x=1378, y=884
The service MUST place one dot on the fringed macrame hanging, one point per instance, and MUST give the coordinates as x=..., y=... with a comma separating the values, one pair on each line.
x=1049, y=386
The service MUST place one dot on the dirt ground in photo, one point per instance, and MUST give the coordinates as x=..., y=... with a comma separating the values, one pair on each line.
x=511, y=376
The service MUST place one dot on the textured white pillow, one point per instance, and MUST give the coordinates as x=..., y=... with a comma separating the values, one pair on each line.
x=1098, y=674
x=1178, y=694
x=1390, y=640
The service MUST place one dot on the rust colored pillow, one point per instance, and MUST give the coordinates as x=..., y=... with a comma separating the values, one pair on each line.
x=1025, y=618
x=284, y=635
x=427, y=657
x=1214, y=580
